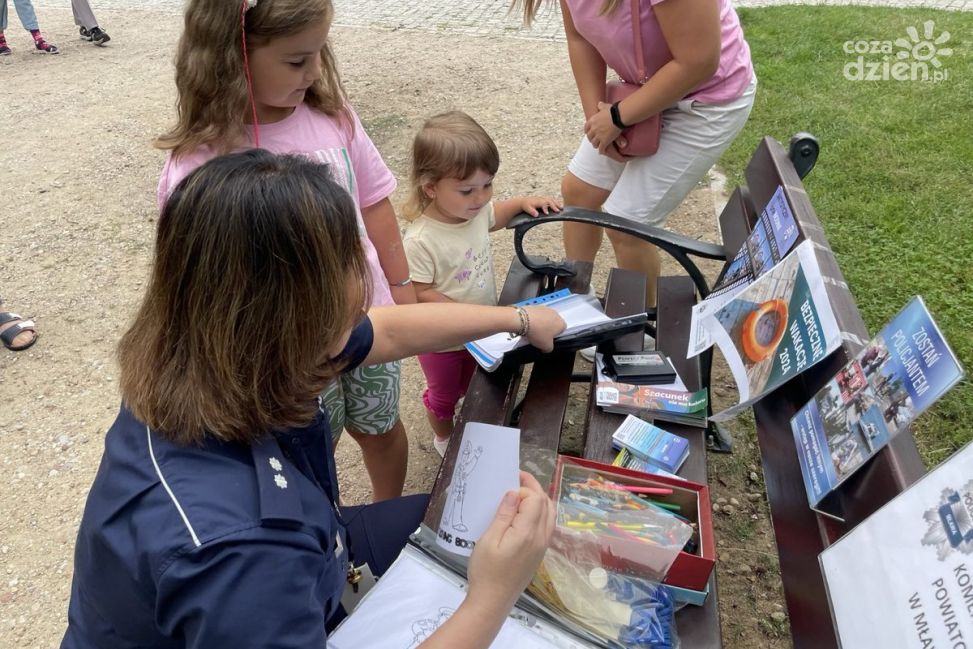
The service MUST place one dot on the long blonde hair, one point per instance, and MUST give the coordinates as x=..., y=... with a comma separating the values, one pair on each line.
x=213, y=105
x=531, y=7
x=449, y=145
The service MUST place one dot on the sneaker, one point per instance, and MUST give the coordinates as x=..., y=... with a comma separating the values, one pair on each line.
x=440, y=445
x=588, y=353
x=44, y=46
x=96, y=36
x=4, y=50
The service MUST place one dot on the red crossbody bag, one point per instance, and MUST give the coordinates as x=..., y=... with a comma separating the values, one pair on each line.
x=641, y=139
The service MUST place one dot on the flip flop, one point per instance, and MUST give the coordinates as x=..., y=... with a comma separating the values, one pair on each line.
x=9, y=335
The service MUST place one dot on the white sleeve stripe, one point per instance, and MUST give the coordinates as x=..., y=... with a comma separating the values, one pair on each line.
x=158, y=472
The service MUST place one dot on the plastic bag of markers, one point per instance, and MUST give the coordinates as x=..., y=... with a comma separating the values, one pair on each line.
x=624, y=610
x=630, y=533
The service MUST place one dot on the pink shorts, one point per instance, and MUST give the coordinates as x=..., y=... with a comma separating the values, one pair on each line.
x=448, y=375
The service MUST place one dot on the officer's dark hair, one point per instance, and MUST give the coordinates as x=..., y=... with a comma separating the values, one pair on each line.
x=258, y=273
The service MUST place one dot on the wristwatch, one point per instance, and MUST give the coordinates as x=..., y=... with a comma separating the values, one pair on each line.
x=617, y=117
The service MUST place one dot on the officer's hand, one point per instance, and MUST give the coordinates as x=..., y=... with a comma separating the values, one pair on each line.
x=545, y=323
x=507, y=555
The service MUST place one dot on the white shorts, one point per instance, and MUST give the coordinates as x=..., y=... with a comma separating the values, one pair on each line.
x=694, y=136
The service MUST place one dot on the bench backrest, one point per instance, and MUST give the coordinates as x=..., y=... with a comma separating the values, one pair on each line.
x=801, y=533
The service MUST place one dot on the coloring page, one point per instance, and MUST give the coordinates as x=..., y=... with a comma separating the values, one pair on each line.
x=411, y=601
x=487, y=467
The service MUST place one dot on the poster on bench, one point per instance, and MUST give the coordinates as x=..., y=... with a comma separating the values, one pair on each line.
x=898, y=374
x=774, y=234
x=775, y=328
x=903, y=578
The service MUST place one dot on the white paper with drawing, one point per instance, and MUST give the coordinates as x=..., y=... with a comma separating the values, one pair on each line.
x=487, y=466
x=413, y=599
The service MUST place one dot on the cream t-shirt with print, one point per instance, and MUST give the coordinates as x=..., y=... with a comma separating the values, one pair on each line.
x=454, y=258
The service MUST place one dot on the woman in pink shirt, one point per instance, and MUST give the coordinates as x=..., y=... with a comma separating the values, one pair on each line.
x=697, y=73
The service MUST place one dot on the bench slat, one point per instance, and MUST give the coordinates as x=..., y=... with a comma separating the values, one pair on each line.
x=624, y=295
x=698, y=626
x=546, y=398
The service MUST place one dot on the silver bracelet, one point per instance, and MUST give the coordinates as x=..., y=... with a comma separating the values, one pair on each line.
x=405, y=282
x=524, y=321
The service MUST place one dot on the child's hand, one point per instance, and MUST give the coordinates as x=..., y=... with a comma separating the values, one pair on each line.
x=534, y=204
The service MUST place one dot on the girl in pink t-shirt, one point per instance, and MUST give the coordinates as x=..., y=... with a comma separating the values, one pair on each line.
x=261, y=73
x=697, y=73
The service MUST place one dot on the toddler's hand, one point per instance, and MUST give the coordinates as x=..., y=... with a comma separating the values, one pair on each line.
x=534, y=204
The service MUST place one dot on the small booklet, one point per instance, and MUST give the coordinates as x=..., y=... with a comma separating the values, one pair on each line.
x=899, y=374
x=651, y=444
x=640, y=368
x=670, y=402
x=902, y=578
x=626, y=460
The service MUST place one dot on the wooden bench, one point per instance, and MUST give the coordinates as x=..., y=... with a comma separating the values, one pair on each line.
x=539, y=412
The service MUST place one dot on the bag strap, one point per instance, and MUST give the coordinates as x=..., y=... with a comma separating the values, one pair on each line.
x=637, y=33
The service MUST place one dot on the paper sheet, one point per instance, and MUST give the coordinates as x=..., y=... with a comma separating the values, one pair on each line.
x=410, y=602
x=487, y=467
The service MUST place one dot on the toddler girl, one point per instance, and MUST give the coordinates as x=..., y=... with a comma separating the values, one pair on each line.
x=262, y=73
x=448, y=243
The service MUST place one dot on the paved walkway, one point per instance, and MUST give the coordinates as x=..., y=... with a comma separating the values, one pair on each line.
x=480, y=18
x=492, y=18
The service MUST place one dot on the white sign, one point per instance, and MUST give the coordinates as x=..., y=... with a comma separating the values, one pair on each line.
x=904, y=577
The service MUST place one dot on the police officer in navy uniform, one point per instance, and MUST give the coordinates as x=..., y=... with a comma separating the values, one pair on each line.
x=213, y=520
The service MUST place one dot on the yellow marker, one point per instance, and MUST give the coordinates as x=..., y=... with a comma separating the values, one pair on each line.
x=580, y=525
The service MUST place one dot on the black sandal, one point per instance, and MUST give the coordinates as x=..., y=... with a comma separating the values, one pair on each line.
x=9, y=335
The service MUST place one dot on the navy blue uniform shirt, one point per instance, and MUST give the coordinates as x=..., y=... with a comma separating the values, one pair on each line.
x=219, y=545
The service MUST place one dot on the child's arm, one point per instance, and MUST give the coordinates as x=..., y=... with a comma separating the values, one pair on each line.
x=426, y=293
x=503, y=211
x=383, y=231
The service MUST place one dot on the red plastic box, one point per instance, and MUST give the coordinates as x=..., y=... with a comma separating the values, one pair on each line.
x=690, y=571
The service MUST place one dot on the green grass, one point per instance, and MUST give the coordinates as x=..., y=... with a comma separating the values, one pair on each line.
x=893, y=185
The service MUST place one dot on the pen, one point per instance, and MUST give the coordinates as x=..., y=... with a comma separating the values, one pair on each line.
x=660, y=491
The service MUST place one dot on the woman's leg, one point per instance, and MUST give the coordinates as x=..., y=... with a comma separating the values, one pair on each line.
x=693, y=138
x=587, y=183
x=581, y=241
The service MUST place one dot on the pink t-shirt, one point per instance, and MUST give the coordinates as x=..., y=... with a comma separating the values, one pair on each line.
x=354, y=161
x=612, y=36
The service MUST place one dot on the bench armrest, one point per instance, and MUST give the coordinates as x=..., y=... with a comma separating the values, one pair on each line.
x=679, y=247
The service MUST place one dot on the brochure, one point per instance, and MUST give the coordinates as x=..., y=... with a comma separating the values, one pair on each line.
x=773, y=236
x=903, y=578
x=651, y=444
x=670, y=402
x=898, y=375
x=775, y=328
